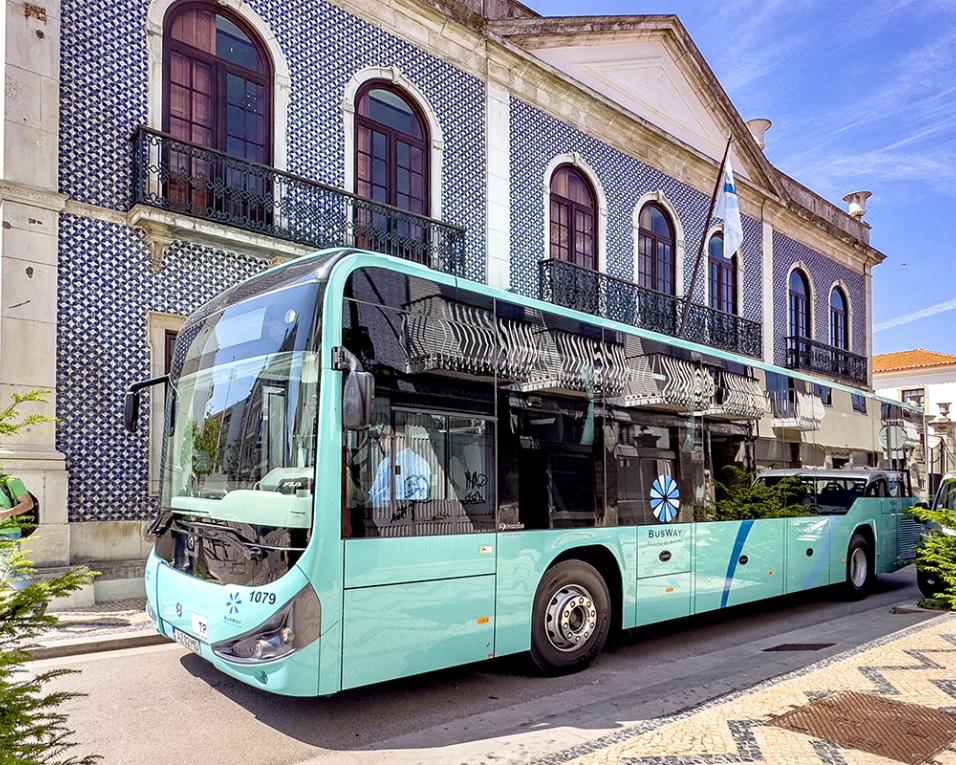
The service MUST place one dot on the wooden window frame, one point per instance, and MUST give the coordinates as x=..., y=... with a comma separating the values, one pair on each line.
x=652, y=278
x=220, y=69
x=726, y=270
x=802, y=302
x=393, y=135
x=572, y=208
x=839, y=321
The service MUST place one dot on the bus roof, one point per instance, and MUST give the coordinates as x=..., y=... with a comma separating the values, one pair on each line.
x=824, y=473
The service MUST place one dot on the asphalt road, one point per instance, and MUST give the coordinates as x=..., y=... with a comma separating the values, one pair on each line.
x=163, y=705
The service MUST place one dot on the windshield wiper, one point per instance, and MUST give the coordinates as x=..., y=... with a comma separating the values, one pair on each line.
x=252, y=549
x=161, y=524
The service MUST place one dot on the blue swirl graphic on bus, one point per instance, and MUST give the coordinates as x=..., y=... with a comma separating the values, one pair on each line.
x=233, y=603
x=665, y=499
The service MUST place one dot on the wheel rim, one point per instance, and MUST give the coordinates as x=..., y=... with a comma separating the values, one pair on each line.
x=858, y=567
x=570, y=618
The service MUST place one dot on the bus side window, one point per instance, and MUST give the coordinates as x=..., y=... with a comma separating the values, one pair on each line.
x=551, y=450
x=877, y=488
x=426, y=466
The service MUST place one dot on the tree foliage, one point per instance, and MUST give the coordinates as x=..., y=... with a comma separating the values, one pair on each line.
x=740, y=498
x=32, y=730
x=937, y=553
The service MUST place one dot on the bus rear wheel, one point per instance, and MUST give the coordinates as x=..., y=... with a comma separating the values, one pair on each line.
x=859, y=567
x=570, y=618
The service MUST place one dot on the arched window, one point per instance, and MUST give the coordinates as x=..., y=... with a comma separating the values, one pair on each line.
x=655, y=249
x=217, y=82
x=723, y=276
x=573, y=218
x=839, y=334
x=799, y=304
x=391, y=148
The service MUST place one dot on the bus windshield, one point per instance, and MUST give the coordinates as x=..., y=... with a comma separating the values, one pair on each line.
x=241, y=431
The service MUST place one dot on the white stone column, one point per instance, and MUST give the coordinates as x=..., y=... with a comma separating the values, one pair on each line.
x=29, y=208
x=767, y=290
x=498, y=192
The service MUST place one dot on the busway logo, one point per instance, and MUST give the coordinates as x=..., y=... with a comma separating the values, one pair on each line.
x=233, y=603
x=665, y=498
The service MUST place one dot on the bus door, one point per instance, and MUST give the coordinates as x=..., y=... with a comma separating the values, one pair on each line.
x=419, y=505
x=897, y=489
x=420, y=566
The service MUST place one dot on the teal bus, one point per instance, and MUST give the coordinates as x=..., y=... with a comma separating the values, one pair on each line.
x=373, y=469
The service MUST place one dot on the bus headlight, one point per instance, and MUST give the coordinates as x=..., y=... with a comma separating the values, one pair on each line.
x=292, y=627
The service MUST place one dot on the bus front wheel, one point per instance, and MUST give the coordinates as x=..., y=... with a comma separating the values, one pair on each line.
x=570, y=618
x=859, y=567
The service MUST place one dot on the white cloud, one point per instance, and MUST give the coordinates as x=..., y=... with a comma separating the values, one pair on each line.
x=922, y=313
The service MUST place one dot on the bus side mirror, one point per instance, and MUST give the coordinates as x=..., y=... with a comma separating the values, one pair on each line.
x=131, y=410
x=357, y=398
x=131, y=403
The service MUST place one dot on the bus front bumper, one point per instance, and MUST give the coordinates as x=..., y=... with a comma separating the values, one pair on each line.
x=200, y=615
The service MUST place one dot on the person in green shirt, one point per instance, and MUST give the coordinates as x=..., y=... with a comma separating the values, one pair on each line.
x=13, y=489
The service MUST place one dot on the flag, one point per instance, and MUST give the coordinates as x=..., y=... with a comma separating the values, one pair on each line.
x=728, y=208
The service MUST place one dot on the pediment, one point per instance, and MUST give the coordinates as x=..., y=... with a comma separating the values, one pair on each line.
x=643, y=77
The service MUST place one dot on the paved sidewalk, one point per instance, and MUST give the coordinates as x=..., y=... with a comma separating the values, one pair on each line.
x=113, y=618
x=103, y=627
x=916, y=666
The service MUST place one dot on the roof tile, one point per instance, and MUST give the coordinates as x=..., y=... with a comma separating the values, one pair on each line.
x=917, y=358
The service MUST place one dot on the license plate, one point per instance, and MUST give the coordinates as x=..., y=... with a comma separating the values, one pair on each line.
x=186, y=640
x=200, y=628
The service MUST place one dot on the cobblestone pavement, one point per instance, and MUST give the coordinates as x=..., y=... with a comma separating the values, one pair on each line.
x=106, y=619
x=917, y=666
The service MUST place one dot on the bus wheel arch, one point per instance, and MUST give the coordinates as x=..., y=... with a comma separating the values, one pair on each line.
x=570, y=617
x=867, y=531
x=860, y=562
x=607, y=565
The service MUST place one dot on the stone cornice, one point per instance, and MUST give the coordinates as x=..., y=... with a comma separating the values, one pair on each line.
x=86, y=210
x=822, y=237
x=31, y=195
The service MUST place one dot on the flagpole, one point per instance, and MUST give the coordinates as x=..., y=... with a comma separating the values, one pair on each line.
x=703, y=240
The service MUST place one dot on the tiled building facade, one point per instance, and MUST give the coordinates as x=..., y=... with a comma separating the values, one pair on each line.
x=506, y=100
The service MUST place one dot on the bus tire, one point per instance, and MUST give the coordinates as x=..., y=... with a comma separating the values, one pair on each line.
x=859, y=567
x=570, y=618
x=929, y=583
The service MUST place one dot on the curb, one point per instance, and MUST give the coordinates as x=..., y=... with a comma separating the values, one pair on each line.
x=80, y=646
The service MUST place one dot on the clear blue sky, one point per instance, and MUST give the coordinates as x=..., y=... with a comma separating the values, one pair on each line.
x=862, y=96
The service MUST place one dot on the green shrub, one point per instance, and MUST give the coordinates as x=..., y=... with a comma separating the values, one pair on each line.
x=937, y=553
x=739, y=498
x=32, y=731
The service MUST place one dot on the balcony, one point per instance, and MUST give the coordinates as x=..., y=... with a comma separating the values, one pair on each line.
x=243, y=205
x=739, y=397
x=796, y=410
x=811, y=356
x=620, y=300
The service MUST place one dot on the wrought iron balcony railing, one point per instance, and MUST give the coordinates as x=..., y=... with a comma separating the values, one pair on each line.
x=614, y=298
x=186, y=178
x=807, y=354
